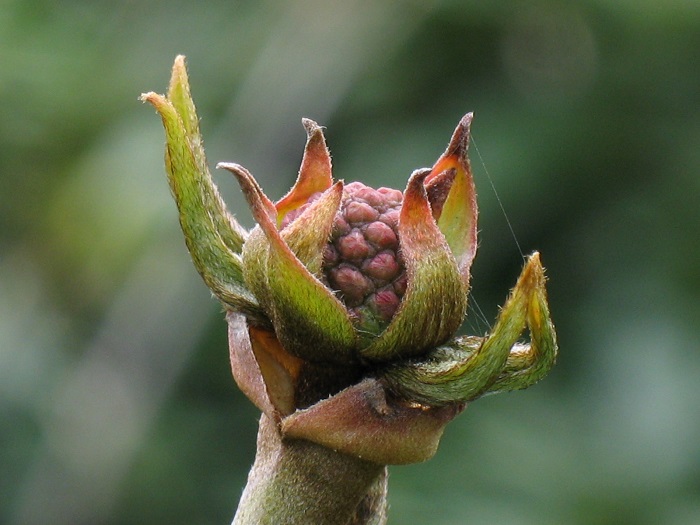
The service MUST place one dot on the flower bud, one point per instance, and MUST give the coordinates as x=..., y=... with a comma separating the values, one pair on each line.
x=344, y=300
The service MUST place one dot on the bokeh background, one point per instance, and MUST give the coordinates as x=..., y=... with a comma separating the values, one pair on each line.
x=116, y=402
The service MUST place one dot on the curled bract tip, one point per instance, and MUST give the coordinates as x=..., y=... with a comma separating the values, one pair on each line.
x=469, y=367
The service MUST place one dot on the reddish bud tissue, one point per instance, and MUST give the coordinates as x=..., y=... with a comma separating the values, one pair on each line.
x=361, y=262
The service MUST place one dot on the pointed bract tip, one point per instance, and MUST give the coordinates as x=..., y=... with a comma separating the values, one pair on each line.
x=162, y=105
x=534, y=258
x=147, y=97
x=229, y=166
x=466, y=121
x=262, y=208
x=311, y=126
x=532, y=277
x=314, y=133
x=238, y=170
x=179, y=72
x=315, y=173
x=243, y=176
x=459, y=143
x=415, y=181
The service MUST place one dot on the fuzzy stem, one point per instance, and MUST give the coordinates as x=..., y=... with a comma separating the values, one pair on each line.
x=299, y=482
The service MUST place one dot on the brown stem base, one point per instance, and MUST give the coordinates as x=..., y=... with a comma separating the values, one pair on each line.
x=297, y=482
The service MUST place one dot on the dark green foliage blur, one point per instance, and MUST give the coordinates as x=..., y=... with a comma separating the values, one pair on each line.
x=116, y=401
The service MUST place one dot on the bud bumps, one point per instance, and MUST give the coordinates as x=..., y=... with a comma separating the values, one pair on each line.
x=361, y=261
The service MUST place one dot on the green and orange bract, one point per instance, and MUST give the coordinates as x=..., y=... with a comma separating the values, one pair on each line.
x=358, y=384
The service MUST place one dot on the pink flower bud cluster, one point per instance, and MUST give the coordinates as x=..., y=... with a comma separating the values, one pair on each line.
x=361, y=261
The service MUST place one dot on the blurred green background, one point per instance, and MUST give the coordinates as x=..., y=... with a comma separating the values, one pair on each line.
x=116, y=402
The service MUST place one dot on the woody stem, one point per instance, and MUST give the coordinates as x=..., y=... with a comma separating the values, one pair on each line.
x=299, y=482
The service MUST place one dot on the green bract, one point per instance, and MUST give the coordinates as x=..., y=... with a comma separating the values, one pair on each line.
x=296, y=350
